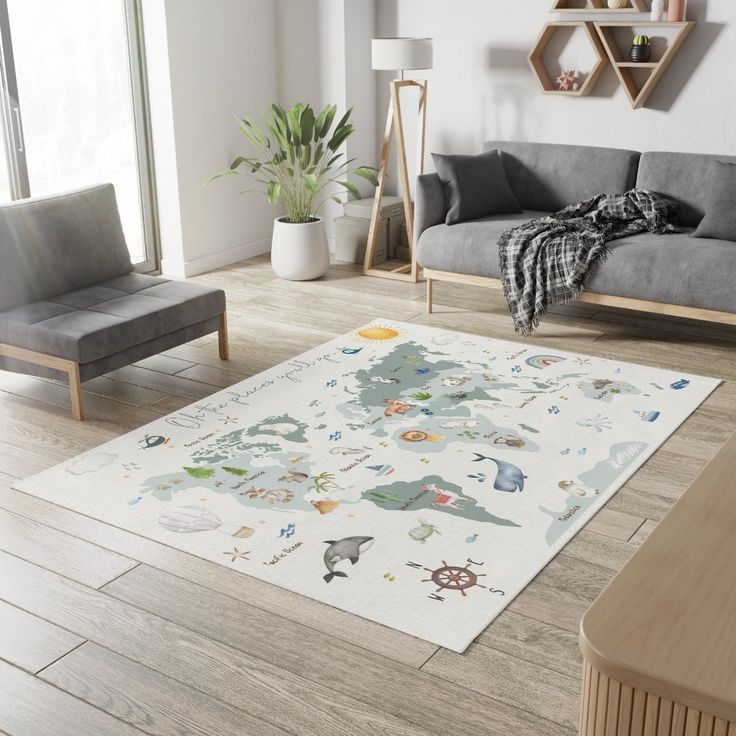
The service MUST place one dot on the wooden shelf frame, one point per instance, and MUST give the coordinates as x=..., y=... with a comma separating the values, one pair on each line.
x=395, y=128
x=542, y=75
x=637, y=93
x=599, y=6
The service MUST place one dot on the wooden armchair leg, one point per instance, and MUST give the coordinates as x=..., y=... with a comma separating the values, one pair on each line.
x=429, y=296
x=222, y=338
x=75, y=391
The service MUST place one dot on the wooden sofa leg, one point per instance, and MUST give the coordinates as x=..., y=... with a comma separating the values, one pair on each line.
x=222, y=338
x=75, y=391
x=429, y=296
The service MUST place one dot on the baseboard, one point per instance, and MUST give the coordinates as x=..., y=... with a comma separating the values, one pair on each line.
x=185, y=269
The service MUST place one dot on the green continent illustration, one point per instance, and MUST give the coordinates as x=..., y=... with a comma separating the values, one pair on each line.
x=431, y=493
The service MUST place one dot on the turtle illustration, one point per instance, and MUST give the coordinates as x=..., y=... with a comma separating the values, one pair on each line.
x=423, y=532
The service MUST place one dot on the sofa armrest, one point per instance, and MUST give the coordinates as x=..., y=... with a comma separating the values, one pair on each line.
x=430, y=207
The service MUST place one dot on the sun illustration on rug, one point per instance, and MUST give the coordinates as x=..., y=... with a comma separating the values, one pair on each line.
x=378, y=333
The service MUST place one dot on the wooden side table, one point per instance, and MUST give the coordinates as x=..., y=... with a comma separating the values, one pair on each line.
x=660, y=641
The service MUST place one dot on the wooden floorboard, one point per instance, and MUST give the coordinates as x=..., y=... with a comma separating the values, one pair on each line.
x=544, y=645
x=319, y=616
x=127, y=414
x=31, y=643
x=178, y=645
x=144, y=698
x=514, y=681
x=31, y=707
x=263, y=689
x=70, y=556
x=404, y=692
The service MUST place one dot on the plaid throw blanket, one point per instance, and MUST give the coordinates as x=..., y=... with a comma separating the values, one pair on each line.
x=545, y=261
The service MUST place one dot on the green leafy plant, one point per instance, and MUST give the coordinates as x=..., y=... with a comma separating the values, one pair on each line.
x=200, y=473
x=421, y=396
x=236, y=471
x=297, y=159
x=323, y=482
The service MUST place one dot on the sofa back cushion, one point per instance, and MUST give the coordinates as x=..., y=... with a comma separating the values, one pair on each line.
x=684, y=177
x=548, y=177
x=50, y=245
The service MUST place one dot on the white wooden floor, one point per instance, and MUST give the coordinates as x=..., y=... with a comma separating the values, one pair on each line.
x=104, y=632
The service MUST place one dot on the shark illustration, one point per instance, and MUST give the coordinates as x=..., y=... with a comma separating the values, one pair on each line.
x=349, y=548
x=509, y=478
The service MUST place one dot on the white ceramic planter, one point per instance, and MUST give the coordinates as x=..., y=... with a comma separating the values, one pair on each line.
x=299, y=251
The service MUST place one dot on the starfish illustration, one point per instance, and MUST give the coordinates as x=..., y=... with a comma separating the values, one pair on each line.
x=229, y=420
x=568, y=80
x=236, y=554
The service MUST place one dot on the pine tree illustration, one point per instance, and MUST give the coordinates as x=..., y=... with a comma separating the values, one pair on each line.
x=236, y=471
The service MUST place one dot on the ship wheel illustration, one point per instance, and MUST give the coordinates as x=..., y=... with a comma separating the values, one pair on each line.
x=452, y=577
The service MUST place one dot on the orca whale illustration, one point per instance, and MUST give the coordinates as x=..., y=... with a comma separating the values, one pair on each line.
x=349, y=548
x=509, y=478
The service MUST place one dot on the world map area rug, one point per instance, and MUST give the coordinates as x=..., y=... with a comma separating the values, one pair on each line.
x=416, y=477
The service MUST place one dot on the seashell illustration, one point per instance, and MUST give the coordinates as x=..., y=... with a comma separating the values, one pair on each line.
x=244, y=532
x=325, y=507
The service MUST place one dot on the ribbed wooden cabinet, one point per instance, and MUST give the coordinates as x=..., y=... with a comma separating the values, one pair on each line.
x=612, y=709
x=659, y=643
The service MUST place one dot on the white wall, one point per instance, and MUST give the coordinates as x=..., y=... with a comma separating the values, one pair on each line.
x=481, y=87
x=324, y=52
x=207, y=61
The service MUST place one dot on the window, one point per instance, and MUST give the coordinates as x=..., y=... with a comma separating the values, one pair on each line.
x=74, y=107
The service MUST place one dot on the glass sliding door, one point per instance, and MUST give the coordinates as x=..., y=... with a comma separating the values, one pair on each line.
x=74, y=106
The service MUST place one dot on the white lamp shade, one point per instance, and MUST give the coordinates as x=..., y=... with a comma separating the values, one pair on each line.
x=397, y=54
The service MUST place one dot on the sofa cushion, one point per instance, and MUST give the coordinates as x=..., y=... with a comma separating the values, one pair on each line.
x=470, y=247
x=674, y=269
x=720, y=208
x=548, y=177
x=684, y=177
x=475, y=186
x=99, y=320
x=49, y=245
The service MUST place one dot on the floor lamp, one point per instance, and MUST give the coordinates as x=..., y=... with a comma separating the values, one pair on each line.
x=399, y=54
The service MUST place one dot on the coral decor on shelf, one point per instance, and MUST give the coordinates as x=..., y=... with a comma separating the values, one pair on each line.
x=568, y=81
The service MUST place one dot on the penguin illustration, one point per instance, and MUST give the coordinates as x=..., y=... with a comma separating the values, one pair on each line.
x=154, y=440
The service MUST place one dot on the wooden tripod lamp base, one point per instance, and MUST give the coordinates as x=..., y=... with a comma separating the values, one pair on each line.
x=392, y=54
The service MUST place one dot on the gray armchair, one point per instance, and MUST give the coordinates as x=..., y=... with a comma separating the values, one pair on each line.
x=71, y=304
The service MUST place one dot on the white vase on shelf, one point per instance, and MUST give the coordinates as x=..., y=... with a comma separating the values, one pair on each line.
x=657, y=11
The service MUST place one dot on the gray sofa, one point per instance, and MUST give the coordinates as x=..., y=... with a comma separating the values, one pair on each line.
x=667, y=274
x=70, y=303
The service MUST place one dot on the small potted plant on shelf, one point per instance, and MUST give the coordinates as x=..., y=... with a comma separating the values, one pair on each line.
x=641, y=49
x=298, y=163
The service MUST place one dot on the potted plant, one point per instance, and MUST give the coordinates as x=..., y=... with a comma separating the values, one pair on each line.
x=298, y=162
x=641, y=49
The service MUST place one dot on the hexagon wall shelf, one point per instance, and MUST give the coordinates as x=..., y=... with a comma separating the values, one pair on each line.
x=536, y=60
x=598, y=6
